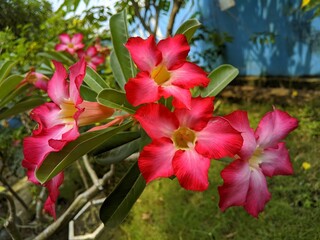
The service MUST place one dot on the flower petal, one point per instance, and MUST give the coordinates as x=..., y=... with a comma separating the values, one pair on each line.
x=218, y=139
x=46, y=115
x=198, y=116
x=239, y=121
x=258, y=194
x=191, y=170
x=77, y=73
x=188, y=76
x=155, y=160
x=77, y=38
x=141, y=89
x=93, y=112
x=57, y=86
x=144, y=52
x=53, y=188
x=274, y=127
x=61, y=47
x=174, y=50
x=64, y=38
x=182, y=97
x=157, y=120
x=276, y=161
x=92, y=51
x=236, y=180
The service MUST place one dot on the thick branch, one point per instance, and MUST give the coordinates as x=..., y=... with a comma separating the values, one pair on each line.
x=10, y=223
x=74, y=208
x=175, y=9
x=137, y=13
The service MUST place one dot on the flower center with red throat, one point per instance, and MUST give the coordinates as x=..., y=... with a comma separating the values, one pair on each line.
x=68, y=109
x=184, y=138
x=160, y=74
x=255, y=159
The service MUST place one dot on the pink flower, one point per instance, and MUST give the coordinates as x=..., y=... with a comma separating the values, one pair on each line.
x=71, y=45
x=164, y=71
x=184, y=141
x=92, y=57
x=262, y=154
x=58, y=124
x=37, y=79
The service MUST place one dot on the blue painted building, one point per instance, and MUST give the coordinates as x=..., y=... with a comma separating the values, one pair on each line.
x=296, y=47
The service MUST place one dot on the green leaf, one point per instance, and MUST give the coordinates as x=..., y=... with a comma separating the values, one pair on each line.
x=120, y=153
x=188, y=28
x=119, y=35
x=58, y=56
x=22, y=106
x=94, y=80
x=116, y=141
x=220, y=78
x=117, y=71
x=5, y=69
x=56, y=162
x=87, y=93
x=119, y=203
x=115, y=99
x=17, y=92
x=9, y=84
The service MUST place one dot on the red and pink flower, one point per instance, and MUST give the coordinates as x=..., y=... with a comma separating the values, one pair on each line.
x=262, y=154
x=92, y=57
x=58, y=123
x=184, y=141
x=164, y=71
x=37, y=79
x=70, y=44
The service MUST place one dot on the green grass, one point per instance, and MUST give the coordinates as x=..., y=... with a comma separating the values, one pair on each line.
x=167, y=211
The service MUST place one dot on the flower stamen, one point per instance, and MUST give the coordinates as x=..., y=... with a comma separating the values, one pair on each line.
x=184, y=138
x=160, y=74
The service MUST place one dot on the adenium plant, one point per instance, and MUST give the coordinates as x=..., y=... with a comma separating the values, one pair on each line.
x=171, y=101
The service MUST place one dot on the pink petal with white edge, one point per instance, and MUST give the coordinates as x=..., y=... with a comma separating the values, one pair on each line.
x=236, y=179
x=64, y=38
x=188, y=76
x=258, y=194
x=77, y=73
x=198, y=116
x=191, y=169
x=174, y=51
x=66, y=134
x=157, y=120
x=218, y=139
x=53, y=188
x=77, y=38
x=141, y=89
x=144, y=52
x=274, y=127
x=57, y=86
x=276, y=161
x=61, y=47
x=239, y=121
x=46, y=115
x=183, y=96
x=155, y=160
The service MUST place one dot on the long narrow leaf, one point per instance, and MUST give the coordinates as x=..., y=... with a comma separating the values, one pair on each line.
x=56, y=162
x=119, y=203
x=58, y=56
x=22, y=106
x=9, y=84
x=115, y=99
x=5, y=69
x=188, y=28
x=117, y=71
x=17, y=92
x=119, y=35
x=94, y=80
x=220, y=78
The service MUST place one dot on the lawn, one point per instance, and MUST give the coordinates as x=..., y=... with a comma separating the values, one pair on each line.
x=167, y=211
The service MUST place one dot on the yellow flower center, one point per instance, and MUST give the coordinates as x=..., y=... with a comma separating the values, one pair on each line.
x=70, y=45
x=160, y=74
x=184, y=138
x=255, y=160
x=68, y=109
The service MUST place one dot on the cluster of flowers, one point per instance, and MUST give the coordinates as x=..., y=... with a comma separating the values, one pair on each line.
x=94, y=55
x=185, y=138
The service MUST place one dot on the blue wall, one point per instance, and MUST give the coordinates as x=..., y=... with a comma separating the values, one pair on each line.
x=296, y=51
